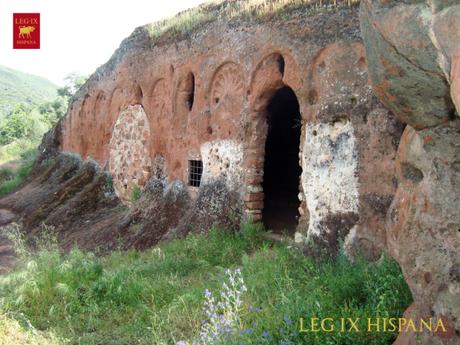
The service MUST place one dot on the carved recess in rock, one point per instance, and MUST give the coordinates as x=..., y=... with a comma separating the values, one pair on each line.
x=82, y=124
x=129, y=161
x=227, y=95
x=227, y=90
x=116, y=100
x=160, y=95
x=100, y=142
x=423, y=227
x=183, y=100
x=160, y=114
x=266, y=80
x=338, y=82
x=339, y=92
x=135, y=95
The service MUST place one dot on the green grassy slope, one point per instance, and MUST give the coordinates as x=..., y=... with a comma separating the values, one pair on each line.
x=21, y=88
x=158, y=297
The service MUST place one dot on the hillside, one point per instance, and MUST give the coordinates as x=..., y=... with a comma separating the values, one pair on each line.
x=18, y=87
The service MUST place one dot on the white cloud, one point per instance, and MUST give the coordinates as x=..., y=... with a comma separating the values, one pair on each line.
x=77, y=36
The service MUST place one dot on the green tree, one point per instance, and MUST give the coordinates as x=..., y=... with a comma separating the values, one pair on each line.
x=51, y=112
x=24, y=126
x=73, y=82
x=18, y=124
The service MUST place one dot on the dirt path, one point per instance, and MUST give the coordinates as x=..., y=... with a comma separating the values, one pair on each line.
x=7, y=257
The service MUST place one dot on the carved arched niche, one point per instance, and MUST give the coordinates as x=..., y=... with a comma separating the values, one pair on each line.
x=184, y=99
x=136, y=94
x=226, y=102
x=159, y=111
x=100, y=127
x=227, y=88
x=339, y=61
x=129, y=159
x=123, y=96
x=115, y=105
x=83, y=129
x=273, y=73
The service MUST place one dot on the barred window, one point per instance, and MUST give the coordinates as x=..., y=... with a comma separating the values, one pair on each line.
x=195, y=169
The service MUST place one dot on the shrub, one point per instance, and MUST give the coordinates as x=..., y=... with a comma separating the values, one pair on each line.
x=135, y=193
x=16, y=125
x=6, y=174
x=16, y=178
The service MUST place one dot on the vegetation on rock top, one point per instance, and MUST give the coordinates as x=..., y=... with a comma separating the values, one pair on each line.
x=191, y=19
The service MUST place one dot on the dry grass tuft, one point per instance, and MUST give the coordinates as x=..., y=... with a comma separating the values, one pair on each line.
x=12, y=333
x=193, y=18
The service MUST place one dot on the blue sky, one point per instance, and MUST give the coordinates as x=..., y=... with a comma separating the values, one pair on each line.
x=77, y=35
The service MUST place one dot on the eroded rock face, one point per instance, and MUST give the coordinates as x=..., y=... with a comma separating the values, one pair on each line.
x=73, y=196
x=330, y=178
x=348, y=155
x=424, y=222
x=223, y=160
x=403, y=60
x=412, y=49
x=455, y=84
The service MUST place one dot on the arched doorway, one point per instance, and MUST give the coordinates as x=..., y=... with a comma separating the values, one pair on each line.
x=281, y=165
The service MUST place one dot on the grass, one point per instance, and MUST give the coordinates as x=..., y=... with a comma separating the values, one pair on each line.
x=135, y=193
x=11, y=333
x=189, y=20
x=156, y=296
x=10, y=179
x=16, y=149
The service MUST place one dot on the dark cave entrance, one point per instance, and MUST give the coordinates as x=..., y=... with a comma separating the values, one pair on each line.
x=281, y=167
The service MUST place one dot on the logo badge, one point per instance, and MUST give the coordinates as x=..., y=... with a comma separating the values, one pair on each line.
x=26, y=30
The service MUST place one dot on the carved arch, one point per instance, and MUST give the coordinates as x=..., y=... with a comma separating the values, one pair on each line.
x=129, y=156
x=274, y=72
x=227, y=89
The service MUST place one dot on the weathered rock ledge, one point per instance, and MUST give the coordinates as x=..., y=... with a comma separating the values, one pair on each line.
x=413, y=52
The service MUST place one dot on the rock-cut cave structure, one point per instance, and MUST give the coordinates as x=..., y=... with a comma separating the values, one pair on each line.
x=337, y=127
x=264, y=121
